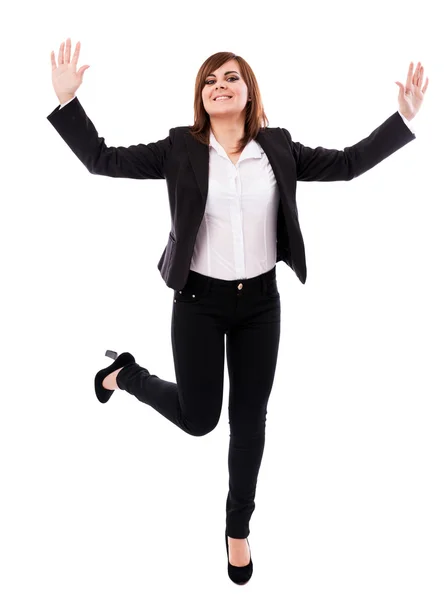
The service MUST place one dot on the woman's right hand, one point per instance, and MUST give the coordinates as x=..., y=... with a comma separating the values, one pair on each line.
x=66, y=79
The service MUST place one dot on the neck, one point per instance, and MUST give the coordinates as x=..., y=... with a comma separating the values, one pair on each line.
x=228, y=132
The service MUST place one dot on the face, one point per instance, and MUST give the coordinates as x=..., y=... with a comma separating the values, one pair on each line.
x=222, y=82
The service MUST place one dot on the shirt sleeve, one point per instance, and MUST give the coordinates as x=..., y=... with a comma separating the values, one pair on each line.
x=65, y=103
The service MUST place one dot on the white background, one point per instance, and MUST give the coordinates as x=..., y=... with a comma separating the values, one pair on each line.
x=113, y=501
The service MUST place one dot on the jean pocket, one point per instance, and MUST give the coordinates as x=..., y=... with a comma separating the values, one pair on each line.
x=191, y=294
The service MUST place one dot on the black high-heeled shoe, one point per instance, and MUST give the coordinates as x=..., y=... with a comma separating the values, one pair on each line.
x=103, y=395
x=239, y=575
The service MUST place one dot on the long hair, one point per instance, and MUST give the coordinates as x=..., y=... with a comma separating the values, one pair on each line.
x=255, y=116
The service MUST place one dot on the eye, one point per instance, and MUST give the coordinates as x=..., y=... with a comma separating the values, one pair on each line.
x=232, y=77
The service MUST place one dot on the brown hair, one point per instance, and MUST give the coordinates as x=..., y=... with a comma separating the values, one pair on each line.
x=255, y=116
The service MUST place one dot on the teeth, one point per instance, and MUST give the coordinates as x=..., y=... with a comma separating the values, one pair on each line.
x=222, y=98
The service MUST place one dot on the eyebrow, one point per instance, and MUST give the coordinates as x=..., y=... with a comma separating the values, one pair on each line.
x=226, y=73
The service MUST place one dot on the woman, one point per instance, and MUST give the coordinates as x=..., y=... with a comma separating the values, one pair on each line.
x=232, y=183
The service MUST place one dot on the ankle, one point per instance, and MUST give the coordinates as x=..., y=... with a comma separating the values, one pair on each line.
x=110, y=381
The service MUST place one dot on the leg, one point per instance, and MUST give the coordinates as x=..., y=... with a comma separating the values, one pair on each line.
x=252, y=350
x=194, y=402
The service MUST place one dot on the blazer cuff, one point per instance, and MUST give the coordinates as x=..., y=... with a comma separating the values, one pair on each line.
x=407, y=123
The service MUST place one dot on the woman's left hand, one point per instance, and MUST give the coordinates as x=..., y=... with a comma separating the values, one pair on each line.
x=411, y=96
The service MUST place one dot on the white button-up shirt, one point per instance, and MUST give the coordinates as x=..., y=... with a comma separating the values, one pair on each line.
x=238, y=234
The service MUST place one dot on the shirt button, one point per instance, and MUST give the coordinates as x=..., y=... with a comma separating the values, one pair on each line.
x=240, y=286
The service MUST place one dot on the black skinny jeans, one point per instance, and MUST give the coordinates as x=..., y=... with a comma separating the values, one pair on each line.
x=248, y=311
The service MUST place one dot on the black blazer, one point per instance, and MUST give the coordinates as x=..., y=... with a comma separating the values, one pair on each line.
x=184, y=164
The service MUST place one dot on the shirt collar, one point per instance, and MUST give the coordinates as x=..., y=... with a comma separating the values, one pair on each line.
x=252, y=150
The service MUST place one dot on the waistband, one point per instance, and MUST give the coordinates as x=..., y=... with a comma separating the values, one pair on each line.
x=249, y=284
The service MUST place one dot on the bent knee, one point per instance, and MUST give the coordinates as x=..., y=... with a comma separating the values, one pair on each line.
x=200, y=429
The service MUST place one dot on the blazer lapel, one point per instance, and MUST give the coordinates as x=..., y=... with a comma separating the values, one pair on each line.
x=281, y=160
x=199, y=159
x=275, y=146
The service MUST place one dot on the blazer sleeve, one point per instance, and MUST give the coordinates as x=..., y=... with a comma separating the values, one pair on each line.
x=322, y=164
x=140, y=161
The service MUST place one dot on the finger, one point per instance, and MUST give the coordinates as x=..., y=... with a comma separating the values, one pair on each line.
x=416, y=74
x=425, y=87
x=53, y=61
x=61, y=53
x=409, y=76
x=68, y=50
x=419, y=77
x=76, y=54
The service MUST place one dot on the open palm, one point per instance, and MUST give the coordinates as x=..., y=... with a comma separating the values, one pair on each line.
x=66, y=77
x=411, y=95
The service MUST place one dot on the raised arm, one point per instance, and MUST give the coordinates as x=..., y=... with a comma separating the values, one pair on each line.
x=139, y=161
x=322, y=164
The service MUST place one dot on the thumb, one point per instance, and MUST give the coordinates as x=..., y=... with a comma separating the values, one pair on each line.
x=401, y=88
x=82, y=71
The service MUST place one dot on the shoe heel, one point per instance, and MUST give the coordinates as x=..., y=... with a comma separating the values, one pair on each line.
x=121, y=360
